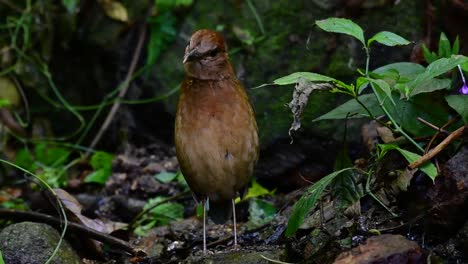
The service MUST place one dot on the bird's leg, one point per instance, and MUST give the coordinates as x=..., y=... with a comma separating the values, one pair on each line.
x=205, y=202
x=234, y=221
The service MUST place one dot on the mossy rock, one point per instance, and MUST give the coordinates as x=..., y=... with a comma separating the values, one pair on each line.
x=33, y=243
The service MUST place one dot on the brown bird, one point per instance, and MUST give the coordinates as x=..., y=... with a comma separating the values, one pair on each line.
x=215, y=129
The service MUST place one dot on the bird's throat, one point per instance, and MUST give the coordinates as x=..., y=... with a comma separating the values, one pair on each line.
x=208, y=71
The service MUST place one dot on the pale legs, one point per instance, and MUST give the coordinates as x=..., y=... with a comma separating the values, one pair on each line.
x=204, y=225
x=205, y=204
x=234, y=221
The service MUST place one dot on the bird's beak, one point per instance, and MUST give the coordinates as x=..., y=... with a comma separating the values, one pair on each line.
x=191, y=55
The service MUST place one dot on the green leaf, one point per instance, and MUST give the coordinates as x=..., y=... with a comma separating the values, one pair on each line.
x=293, y=78
x=429, y=56
x=427, y=168
x=383, y=86
x=260, y=213
x=361, y=84
x=8, y=92
x=411, y=157
x=101, y=160
x=4, y=102
x=444, y=46
x=51, y=155
x=142, y=229
x=70, y=5
x=24, y=159
x=256, y=190
x=437, y=68
x=352, y=109
x=456, y=46
x=1, y=258
x=464, y=67
x=343, y=26
x=166, y=177
x=431, y=85
x=99, y=176
x=388, y=39
x=181, y=180
x=405, y=69
x=308, y=200
x=166, y=212
x=460, y=104
x=169, y=5
x=55, y=177
x=162, y=32
x=426, y=106
x=345, y=188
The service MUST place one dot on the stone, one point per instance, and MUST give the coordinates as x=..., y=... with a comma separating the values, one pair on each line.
x=33, y=243
x=384, y=249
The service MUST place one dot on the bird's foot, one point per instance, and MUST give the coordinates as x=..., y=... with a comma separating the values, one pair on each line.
x=236, y=247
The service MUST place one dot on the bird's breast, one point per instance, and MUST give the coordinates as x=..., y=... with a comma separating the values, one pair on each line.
x=216, y=137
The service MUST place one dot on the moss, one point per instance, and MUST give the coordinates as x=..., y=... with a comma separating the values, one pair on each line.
x=291, y=43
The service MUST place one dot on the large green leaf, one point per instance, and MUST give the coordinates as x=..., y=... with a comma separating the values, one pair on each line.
x=405, y=69
x=384, y=87
x=343, y=26
x=460, y=104
x=431, y=85
x=437, y=68
x=427, y=168
x=411, y=157
x=352, y=109
x=293, y=78
x=388, y=39
x=308, y=201
x=345, y=189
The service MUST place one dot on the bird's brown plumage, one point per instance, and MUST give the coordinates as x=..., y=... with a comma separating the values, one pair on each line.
x=215, y=131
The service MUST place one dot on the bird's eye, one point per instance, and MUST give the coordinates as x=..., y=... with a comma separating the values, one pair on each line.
x=213, y=53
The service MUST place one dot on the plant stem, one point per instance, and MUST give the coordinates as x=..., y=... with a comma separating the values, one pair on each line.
x=365, y=108
x=387, y=113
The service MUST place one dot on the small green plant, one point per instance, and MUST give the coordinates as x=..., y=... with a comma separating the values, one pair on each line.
x=446, y=50
x=101, y=162
x=1, y=258
x=401, y=92
x=161, y=213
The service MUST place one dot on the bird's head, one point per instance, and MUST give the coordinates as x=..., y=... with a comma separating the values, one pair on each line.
x=206, y=57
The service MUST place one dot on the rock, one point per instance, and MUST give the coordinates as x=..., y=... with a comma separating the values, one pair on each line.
x=383, y=249
x=448, y=197
x=33, y=243
x=462, y=238
x=238, y=257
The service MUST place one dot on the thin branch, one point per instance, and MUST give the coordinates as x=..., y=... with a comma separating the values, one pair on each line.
x=74, y=227
x=125, y=83
x=433, y=152
x=11, y=5
x=450, y=122
x=436, y=128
